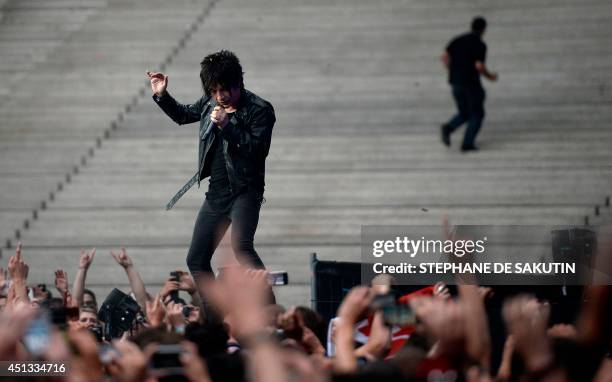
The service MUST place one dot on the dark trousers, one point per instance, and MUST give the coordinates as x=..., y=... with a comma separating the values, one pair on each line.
x=470, y=109
x=212, y=223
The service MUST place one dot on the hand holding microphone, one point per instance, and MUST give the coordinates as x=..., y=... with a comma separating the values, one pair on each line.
x=219, y=117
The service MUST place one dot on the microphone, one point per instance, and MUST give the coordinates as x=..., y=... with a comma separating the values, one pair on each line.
x=209, y=129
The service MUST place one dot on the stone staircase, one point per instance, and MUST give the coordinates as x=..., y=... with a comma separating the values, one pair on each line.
x=89, y=160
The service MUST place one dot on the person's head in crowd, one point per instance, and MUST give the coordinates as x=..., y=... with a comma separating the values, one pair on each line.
x=479, y=25
x=88, y=317
x=193, y=314
x=40, y=294
x=313, y=321
x=210, y=338
x=156, y=336
x=89, y=299
x=2, y=301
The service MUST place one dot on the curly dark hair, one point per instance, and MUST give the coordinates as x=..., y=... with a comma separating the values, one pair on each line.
x=220, y=69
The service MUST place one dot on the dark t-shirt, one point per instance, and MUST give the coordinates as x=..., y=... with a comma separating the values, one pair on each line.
x=464, y=51
x=219, y=192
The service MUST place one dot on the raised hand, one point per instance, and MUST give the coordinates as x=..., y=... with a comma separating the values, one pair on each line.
x=159, y=82
x=526, y=319
x=17, y=268
x=241, y=293
x=219, y=116
x=61, y=281
x=169, y=287
x=441, y=291
x=155, y=311
x=86, y=259
x=14, y=323
x=354, y=304
x=122, y=258
x=132, y=365
x=186, y=282
x=175, y=315
x=85, y=363
x=442, y=319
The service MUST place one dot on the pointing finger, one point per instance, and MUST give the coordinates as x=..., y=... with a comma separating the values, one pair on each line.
x=18, y=251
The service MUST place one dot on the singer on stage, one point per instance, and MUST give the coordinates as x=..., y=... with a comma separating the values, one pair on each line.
x=234, y=140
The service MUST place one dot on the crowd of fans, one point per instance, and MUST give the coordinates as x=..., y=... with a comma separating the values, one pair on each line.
x=236, y=332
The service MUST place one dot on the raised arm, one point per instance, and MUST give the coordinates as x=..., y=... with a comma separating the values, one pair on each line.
x=79, y=280
x=477, y=339
x=179, y=113
x=18, y=271
x=353, y=305
x=136, y=283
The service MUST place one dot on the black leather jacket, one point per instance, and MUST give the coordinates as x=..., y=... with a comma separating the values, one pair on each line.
x=246, y=138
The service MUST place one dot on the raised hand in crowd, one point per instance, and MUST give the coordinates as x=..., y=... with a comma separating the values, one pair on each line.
x=14, y=320
x=170, y=286
x=18, y=272
x=186, y=282
x=131, y=366
x=61, y=282
x=299, y=334
x=526, y=320
x=305, y=369
x=379, y=340
x=122, y=258
x=136, y=283
x=440, y=290
x=174, y=313
x=85, y=364
x=441, y=320
x=85, y=260
x=352, y=308
x=17, y=268
x=242, y=294
x=155, y=311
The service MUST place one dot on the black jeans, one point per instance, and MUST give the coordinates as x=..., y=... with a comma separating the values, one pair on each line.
x=212, y=223
x=470, y=109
